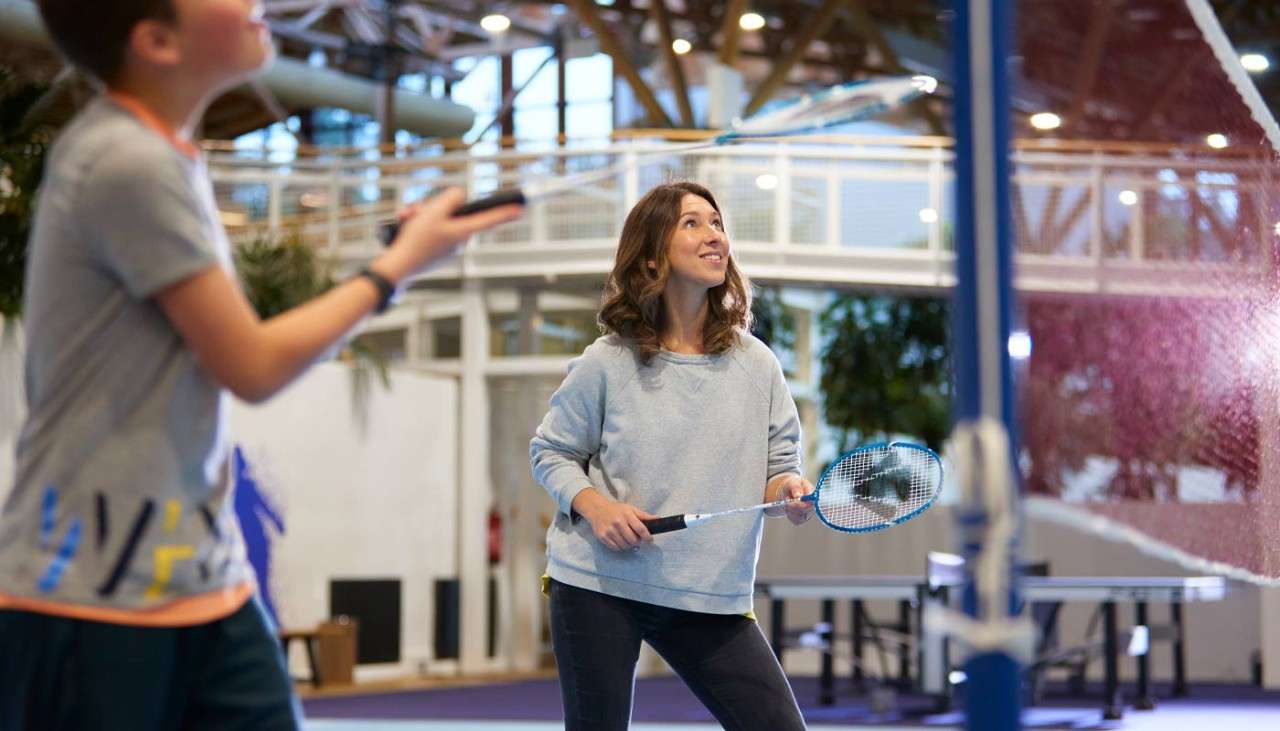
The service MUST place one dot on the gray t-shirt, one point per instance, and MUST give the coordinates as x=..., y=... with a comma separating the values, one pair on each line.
x=122, y=494
x=685, y=434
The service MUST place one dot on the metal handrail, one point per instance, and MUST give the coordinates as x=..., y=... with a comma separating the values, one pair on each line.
x=805, y=204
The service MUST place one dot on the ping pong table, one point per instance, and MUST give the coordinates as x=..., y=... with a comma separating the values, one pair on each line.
x=914, y=591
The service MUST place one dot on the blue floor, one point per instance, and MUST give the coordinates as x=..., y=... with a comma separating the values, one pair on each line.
x=664, y=704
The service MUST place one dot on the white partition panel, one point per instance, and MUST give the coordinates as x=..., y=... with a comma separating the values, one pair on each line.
x=368, y=492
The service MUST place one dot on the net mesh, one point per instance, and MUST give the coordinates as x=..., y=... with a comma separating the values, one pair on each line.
x=1146, y=272
x=876, y=487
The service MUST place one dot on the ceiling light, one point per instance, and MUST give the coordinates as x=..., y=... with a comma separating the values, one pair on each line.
x=681, y=46
x=751, y=21
x=1128, y=197
x=768, y=181
x=1046, y=120
x=1216, y=141
x=495, y=23
x=1255, y=62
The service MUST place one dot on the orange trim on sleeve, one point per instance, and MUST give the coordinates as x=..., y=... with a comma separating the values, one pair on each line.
x=135, y=107
x=184, y=612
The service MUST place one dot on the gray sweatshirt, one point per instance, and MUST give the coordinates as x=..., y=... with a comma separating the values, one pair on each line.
x=685, y=434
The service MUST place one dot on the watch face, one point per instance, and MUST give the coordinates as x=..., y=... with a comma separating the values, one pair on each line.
x=388, y=232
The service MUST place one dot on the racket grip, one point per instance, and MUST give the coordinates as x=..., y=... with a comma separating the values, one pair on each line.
x=388, y=232
x=501, y=198
x=665, y=525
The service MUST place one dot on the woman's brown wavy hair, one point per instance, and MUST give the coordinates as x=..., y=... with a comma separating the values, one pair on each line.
x=632, y=305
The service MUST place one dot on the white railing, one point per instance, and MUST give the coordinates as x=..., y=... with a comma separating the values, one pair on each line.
x=834, y=211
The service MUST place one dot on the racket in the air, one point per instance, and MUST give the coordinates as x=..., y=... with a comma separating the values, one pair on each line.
x=838, y=105
x=870, y=488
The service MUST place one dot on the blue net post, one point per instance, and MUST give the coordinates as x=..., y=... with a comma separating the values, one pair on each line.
x=980, y=48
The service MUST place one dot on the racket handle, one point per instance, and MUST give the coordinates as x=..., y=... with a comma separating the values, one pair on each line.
x=388, y=232
x=665, y=525
x=501, y=198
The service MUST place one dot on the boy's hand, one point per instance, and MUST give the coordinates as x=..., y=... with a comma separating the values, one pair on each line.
x=429, y=232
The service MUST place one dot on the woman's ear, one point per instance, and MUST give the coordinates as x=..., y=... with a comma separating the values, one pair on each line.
x=653, y=265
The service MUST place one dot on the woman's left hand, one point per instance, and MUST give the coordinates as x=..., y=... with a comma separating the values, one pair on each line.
x=795, y=486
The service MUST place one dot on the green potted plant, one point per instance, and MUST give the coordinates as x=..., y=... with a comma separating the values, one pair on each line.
x=280, y=273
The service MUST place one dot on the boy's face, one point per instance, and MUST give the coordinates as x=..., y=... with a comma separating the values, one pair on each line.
x=222, y=41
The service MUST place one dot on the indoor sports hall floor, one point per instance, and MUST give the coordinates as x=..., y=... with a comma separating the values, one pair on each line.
x=663, y=704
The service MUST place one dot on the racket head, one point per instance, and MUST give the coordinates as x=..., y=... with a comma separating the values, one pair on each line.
x=837, y=105
x=877, y=486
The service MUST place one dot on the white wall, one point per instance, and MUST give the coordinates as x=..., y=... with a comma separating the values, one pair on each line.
x=13, y=404
x=378, y=501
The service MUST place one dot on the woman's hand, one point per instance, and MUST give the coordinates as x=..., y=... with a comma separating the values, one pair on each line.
x=789, y=487
x=616, y=525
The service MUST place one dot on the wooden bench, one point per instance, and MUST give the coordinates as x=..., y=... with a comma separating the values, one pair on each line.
x=330, y=648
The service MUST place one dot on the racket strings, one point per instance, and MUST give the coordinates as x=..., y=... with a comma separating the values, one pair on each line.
x=835, y=106
x=876, y=487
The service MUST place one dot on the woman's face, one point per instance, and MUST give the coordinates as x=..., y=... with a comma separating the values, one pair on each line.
x=698, y=250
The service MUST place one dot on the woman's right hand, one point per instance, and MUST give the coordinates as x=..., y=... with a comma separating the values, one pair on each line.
x=429, y=232
x=617, y=525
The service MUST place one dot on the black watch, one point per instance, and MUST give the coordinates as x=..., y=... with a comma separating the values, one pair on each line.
x=386, y=290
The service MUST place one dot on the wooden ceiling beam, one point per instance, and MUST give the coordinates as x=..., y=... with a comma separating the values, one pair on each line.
x=1172, y=84
x=814, y=27
x=609, y=43
x=869, y=30
x=730, y=32
x=1170, y=87
x=1095, y=41
x=662, y=19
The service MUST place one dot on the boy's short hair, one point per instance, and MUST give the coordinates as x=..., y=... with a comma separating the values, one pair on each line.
x=94, y=35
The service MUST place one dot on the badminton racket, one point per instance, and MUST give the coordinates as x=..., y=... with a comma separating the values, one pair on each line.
x=834, y=106
x=873, y=487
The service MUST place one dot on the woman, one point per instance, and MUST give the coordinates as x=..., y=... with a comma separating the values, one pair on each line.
x=676, y=409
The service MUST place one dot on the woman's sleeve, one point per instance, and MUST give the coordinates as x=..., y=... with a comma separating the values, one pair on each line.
x=570, y=432
x=784, y=426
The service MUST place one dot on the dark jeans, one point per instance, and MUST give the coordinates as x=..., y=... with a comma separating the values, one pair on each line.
x=59, y=674
x=724, y=659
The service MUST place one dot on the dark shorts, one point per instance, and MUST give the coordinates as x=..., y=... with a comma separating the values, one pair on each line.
x=59, y=674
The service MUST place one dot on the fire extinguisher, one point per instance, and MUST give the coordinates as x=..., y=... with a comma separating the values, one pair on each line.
x=495, y=536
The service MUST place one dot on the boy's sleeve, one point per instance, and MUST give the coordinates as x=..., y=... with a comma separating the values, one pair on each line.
x=784, y=426
x=145, y=219
x=570, y=432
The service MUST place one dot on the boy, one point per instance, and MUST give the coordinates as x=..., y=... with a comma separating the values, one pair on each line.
x=126, y=600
